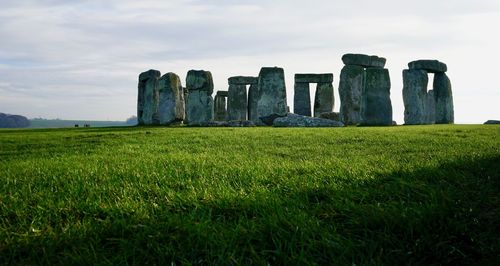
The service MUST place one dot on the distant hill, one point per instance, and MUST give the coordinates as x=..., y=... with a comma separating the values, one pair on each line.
x=58, y=123
x=13, y=121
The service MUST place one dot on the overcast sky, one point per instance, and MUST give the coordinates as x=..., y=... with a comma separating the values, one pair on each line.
x=81, y=59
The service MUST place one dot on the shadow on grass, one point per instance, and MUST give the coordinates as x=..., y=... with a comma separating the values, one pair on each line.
x=443, y=215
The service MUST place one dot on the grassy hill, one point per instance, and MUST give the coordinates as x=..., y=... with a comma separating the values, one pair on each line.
x=396, y=195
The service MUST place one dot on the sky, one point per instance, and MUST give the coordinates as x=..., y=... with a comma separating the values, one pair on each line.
x=81, y=59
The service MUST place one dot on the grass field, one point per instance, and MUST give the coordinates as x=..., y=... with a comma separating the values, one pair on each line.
x=397, y=195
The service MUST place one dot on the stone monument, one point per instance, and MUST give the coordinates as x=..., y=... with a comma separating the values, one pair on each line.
x=199, y=104
x=148, y=98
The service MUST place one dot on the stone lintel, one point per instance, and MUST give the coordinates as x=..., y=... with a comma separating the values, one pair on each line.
x=242, y=80
x=364, y=60
x=432, y=66
x=314, y=78
x=222, y=93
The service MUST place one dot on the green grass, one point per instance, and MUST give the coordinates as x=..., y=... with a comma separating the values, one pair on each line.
x=396, y=195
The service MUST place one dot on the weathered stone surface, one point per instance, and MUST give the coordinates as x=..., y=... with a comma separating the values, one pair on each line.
x=245, y=123
x=148, y=96
x=268, y=120
x=253, y=98
x=272, y=92
x=199, y=80
x=294, y=120
x=323, y=100
x=331, y=115
x=376, y=107
x=350, y=89
x=444, y=99
x=414, y=96
x=302, y=99
x=314, y=78
x=430, y=108
x=364, y=60
x=222, y=93
x=237, y=103
x=432, y=66
x=199, y=103
x=492, y=122
x=241, y=80
x=171, y=99
x=199, y=107
x=220, y=106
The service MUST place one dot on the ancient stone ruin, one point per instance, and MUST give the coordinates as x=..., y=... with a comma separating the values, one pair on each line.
x=220, y=106
x=147, y=100
x=199, y=102
x=364, y=91
x=323, y=99
x=422, y=106
x=364, y=94
x=271, y=102
x=171, y=99
x=239, y=106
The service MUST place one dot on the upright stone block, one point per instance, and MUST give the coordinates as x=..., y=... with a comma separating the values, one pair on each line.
x=272, y=94
x=376, y=107
x=220, y=106
x=148, y=97
x=430, y=108
x=444, y=99
x=237, y=104
x=302, y=99
x=415, y=96
x=324, y=99
x=253, y=98
x=171, y=99
x=350, y=89
x=199, y=104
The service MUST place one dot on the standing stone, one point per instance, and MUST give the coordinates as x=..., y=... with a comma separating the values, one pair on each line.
x=376, y=107
x=220, y=106
x=237, y=103
x=350, y=89
x=253, y=98
x=171, y=99
x=324, y=99
x=199, y=104
x=147, y=100
x=302, y=99
x=444, y=99
x=415, y=96
x=430, y=108
x=272, y=94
